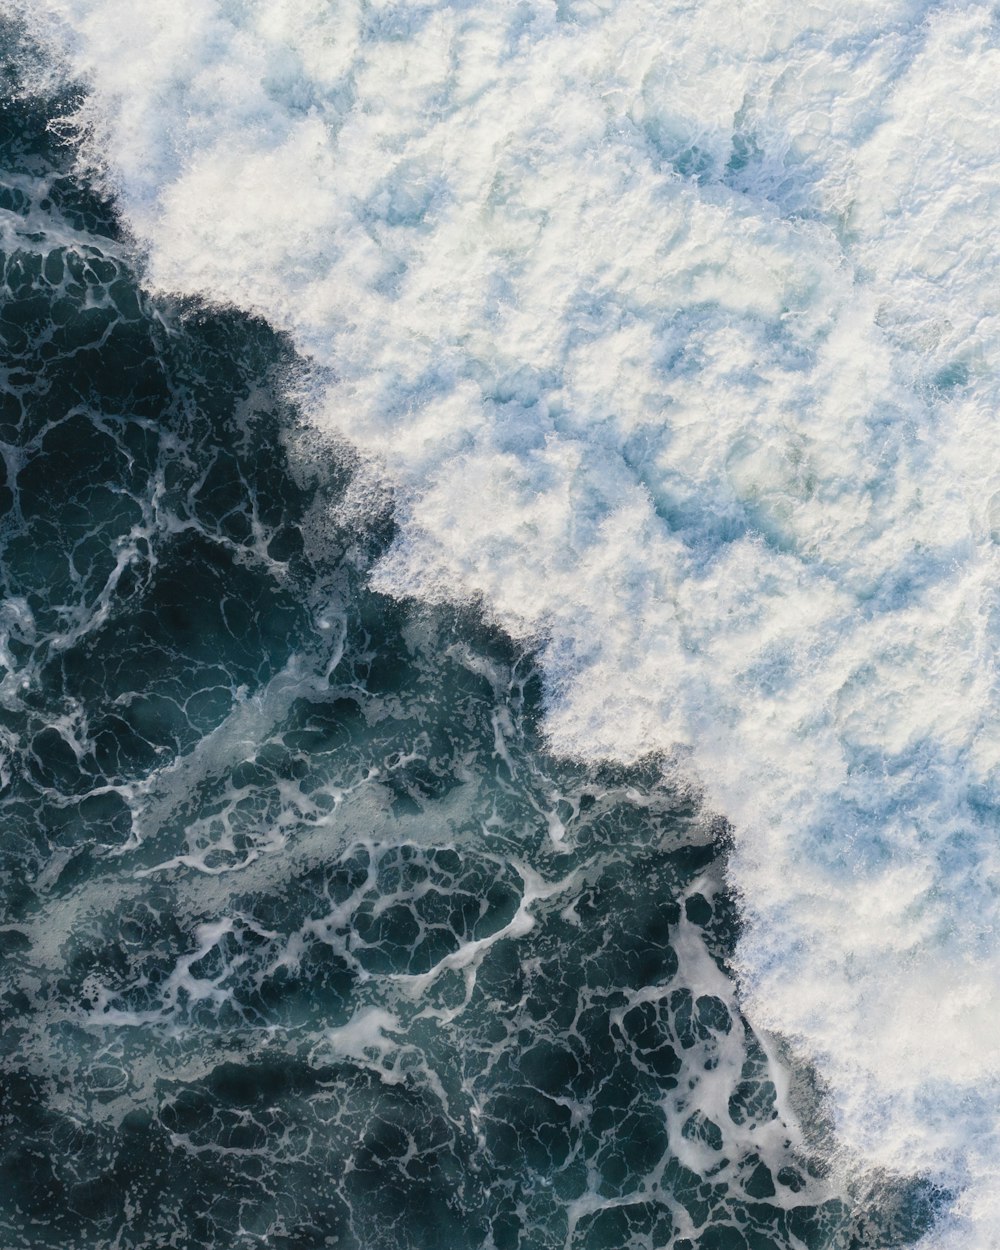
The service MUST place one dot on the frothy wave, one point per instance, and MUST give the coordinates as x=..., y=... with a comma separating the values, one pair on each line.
x=673, y=329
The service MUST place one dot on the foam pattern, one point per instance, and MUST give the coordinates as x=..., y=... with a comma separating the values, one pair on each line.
x=672, y=331
x=306, y=939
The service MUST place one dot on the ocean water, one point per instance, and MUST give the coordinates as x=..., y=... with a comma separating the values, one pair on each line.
x=498, y=705
x=307, y=940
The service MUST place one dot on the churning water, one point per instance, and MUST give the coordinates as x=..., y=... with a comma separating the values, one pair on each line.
x=499, y=718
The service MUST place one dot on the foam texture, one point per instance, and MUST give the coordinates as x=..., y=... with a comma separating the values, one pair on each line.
x=673, y=330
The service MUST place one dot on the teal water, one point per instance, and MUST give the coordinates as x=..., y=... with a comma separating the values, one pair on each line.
x=306, y=939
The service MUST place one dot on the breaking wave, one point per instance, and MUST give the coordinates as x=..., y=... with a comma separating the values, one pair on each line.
x=671, y=330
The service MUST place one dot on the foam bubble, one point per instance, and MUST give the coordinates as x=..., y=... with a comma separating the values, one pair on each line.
x=672, y=329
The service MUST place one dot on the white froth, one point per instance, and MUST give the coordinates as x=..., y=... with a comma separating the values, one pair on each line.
x=674, y=330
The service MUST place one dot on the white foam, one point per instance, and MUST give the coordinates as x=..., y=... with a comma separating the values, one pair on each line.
x=673, y=329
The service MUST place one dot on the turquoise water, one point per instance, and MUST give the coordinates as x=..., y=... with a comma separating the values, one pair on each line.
x=306, y=939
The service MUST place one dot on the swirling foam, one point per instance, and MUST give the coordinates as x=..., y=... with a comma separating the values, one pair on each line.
x=674, y=330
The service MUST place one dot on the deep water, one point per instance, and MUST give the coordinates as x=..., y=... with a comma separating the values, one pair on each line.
x=306, y=939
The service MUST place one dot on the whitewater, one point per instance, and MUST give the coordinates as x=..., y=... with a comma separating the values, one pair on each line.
x=669, y=333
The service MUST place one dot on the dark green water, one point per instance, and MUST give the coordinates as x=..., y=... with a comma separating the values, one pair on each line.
x=306, y=941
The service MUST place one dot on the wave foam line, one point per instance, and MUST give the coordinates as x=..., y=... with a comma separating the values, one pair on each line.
x=673, y=328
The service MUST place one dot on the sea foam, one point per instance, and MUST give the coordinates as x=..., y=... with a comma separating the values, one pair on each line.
x=673, y=331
